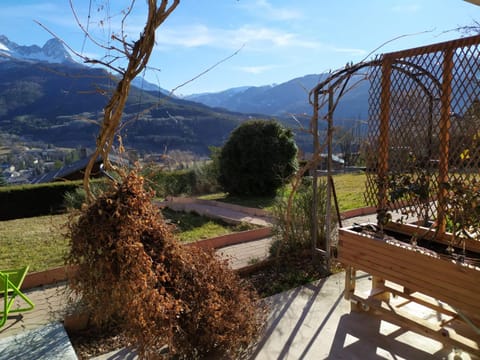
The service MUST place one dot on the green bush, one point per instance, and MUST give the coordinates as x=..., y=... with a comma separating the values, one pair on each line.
x=170, y=183
x=75, y=198
x=257, y=159
x=206, y=175
x=34, y=200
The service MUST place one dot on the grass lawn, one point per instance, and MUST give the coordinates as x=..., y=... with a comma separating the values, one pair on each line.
x=349, y=188
x=192, y=227
x=37, y=242
x=40, y=243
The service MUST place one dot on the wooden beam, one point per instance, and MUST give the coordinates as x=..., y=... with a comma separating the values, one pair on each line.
x=462, y=338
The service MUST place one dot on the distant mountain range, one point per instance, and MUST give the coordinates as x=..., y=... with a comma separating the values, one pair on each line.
x=285, y=99
x=45, y=96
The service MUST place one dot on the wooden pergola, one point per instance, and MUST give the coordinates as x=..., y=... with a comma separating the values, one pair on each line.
x=424, y=135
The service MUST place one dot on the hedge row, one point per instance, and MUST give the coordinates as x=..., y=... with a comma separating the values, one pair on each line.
x=172, y=182
x=23, y=201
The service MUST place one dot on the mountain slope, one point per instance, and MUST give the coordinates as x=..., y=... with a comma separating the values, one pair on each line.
x=61, y=102
x=287, y=98
x=58, y=104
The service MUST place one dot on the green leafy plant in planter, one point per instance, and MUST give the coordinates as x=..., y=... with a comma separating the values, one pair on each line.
x=462, y=200
x=463, y=211
x=412, y=188
x=409, y=191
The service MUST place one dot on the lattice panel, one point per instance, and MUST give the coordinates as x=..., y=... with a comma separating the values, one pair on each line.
x=424, y=127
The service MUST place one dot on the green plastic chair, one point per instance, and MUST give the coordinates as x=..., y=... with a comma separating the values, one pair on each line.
x=10, y=283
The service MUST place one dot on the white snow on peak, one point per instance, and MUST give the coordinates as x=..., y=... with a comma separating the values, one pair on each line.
x=52, y=52
x=3, y=47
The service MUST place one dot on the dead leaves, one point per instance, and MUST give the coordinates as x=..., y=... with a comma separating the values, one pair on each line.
x=134, y=273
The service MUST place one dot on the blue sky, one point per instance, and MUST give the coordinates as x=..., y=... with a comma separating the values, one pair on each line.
x=278, y=39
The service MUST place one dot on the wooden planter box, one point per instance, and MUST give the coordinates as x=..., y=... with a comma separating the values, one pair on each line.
x=451, y=290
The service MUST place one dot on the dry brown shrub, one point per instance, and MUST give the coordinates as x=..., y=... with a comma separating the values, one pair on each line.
x=134, y=274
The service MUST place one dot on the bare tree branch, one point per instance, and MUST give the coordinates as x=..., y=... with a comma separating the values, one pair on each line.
x=207, y=70
x=84, y=30
x=392, y=40
x=137, y=60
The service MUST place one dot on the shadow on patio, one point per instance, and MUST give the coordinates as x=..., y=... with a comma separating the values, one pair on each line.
x=314, y=322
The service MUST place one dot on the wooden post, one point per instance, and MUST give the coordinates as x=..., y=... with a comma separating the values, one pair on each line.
x=328, y=202
x=383, y=146
x=383, y=152
x=349, y=292
x=378, y=289
x=445, y=113
x=350, y=279
x=316, y=150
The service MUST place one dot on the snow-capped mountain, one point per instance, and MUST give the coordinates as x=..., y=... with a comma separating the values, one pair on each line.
x=52, y=51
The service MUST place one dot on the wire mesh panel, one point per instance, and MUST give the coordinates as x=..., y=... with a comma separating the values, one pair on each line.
x=424, y=128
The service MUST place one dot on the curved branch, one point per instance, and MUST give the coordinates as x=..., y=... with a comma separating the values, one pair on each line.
x=84, y=30
x=137, y=61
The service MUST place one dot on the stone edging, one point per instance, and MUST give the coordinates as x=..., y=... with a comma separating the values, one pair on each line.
x=47, y=277
x=234, y=238
x=61, y=273
x=358, y=212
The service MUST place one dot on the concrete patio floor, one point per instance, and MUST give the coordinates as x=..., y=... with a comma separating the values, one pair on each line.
x=38, y=334
x=315, y=322
x=309, y=322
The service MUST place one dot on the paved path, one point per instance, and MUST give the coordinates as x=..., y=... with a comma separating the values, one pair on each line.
x=228, y=215
x=239, y=255
x=38, y=334
x=219, y=210
x=245, y=254
x=49, y=303
x=315, y=322
x=47, y=342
